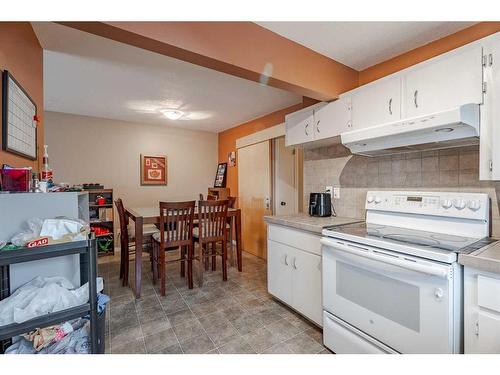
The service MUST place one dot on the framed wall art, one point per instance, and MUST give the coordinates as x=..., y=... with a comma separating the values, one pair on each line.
x=231, y=159
x=220, y=176
x=153, y=169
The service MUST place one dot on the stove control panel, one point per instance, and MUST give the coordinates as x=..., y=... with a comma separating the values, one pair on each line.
x=453, y=204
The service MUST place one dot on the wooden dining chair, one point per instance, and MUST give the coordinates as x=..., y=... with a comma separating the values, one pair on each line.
x=231, y=203
x=212, y=221
x=127, y=240
x=176, y=232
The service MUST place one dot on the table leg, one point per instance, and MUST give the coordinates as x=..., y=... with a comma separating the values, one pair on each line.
x=138, y=255
x=231, y=227
x=238, y=239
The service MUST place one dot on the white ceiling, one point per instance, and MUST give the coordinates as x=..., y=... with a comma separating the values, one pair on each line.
x=363, y=44
x=93, y=76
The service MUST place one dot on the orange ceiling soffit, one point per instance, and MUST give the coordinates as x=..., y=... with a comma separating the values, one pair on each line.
x=242, y=49
x=428, y=51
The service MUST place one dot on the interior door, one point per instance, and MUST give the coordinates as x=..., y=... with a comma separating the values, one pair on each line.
x=306, y=285
x=285, y=189
x=333, y=119
x=445, y=83
x=377, y=103
x=254, y=182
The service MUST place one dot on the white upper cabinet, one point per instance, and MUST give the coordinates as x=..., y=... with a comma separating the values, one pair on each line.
x=332, y=119
x=444, y=82
x=377, y=103
x=299, y=127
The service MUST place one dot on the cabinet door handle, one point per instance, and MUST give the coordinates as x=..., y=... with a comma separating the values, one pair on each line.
x=317, y=126
x=390, y=106
x=305, y=129
x=286, y=259
x=415, y=98
x=295, y=263
x=349, y=124
x=477, y=329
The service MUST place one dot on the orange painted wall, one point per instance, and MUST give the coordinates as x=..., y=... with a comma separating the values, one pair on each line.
x=227, y=138
x=428, y=51
x=22, y=55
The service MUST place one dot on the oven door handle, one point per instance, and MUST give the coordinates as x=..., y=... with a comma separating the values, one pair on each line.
x=365, y=253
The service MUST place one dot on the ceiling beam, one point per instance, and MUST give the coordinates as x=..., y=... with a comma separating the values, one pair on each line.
x=242, y=49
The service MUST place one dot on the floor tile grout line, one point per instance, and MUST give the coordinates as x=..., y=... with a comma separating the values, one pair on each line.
x=165, y=313
x=257, y=293
x=204, y=330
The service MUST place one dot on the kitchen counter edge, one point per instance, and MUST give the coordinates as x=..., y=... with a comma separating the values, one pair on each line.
x=485, y=259
x=308, y=223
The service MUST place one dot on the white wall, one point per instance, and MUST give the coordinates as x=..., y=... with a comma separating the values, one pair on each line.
x=89, y=149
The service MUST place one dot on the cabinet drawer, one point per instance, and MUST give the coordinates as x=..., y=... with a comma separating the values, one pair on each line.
x=488, y=292
x=296, y=238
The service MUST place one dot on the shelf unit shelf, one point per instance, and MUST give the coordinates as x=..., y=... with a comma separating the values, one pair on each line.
x=102, y=215
x=88, y=268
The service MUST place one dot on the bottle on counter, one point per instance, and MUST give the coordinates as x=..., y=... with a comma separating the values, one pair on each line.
x=46, y=170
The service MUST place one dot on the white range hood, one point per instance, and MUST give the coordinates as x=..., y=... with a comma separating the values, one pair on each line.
x=455, y=127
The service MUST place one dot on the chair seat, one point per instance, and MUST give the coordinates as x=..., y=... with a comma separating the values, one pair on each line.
x=147, y=230
x=156, y=236
x=196, y=231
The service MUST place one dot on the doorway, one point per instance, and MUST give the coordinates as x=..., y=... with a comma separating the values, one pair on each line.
x=269, y=183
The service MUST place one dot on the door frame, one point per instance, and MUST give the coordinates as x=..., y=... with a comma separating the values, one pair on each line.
x=272, y=133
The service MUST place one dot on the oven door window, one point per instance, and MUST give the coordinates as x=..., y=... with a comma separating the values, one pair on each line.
x=393, y=299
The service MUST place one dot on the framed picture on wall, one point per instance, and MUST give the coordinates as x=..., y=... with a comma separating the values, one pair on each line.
x=220, y=176
x=19, y=119
x=153, y=169
x=231, y=159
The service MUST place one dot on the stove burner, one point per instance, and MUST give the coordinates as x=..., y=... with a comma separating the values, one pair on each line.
x=412, y=239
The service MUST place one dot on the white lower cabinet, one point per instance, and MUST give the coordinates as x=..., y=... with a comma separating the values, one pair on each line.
x=481, y=311
x=279, y=272
x=294, y=275
x=306, y=285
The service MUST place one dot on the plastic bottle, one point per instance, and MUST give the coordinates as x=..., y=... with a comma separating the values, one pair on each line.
x=46, y=170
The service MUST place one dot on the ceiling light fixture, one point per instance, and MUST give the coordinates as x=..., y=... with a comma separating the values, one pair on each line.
x=172, y=114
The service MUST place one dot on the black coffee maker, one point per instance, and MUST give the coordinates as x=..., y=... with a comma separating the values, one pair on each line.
x=320, y=204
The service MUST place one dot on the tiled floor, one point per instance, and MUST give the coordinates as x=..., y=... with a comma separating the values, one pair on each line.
x=236, y=316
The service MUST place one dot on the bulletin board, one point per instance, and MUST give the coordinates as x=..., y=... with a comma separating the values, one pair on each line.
x=18, y=119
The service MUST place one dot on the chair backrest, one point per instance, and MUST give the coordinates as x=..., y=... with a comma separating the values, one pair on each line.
x=176, y=223
x=122, y=217
x=231, y=202
x=212, y=218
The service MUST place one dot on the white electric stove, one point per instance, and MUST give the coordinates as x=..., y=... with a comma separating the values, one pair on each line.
x=392, y=284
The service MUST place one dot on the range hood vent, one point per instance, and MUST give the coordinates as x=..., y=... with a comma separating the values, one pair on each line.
x=452, y=128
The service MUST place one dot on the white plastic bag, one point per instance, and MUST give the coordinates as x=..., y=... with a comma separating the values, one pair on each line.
x=41, y=296
x=59, y=227
x=34, y=227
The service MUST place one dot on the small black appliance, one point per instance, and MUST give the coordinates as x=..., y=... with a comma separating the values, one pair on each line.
x=320, y=204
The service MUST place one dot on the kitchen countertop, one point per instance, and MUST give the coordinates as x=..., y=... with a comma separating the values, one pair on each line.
x=308, y=223
x=485, y=259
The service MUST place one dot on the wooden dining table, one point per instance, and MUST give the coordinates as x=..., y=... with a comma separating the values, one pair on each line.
x=151, y=215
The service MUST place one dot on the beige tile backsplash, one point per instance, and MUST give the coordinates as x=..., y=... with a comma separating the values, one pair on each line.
x=443, y=170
